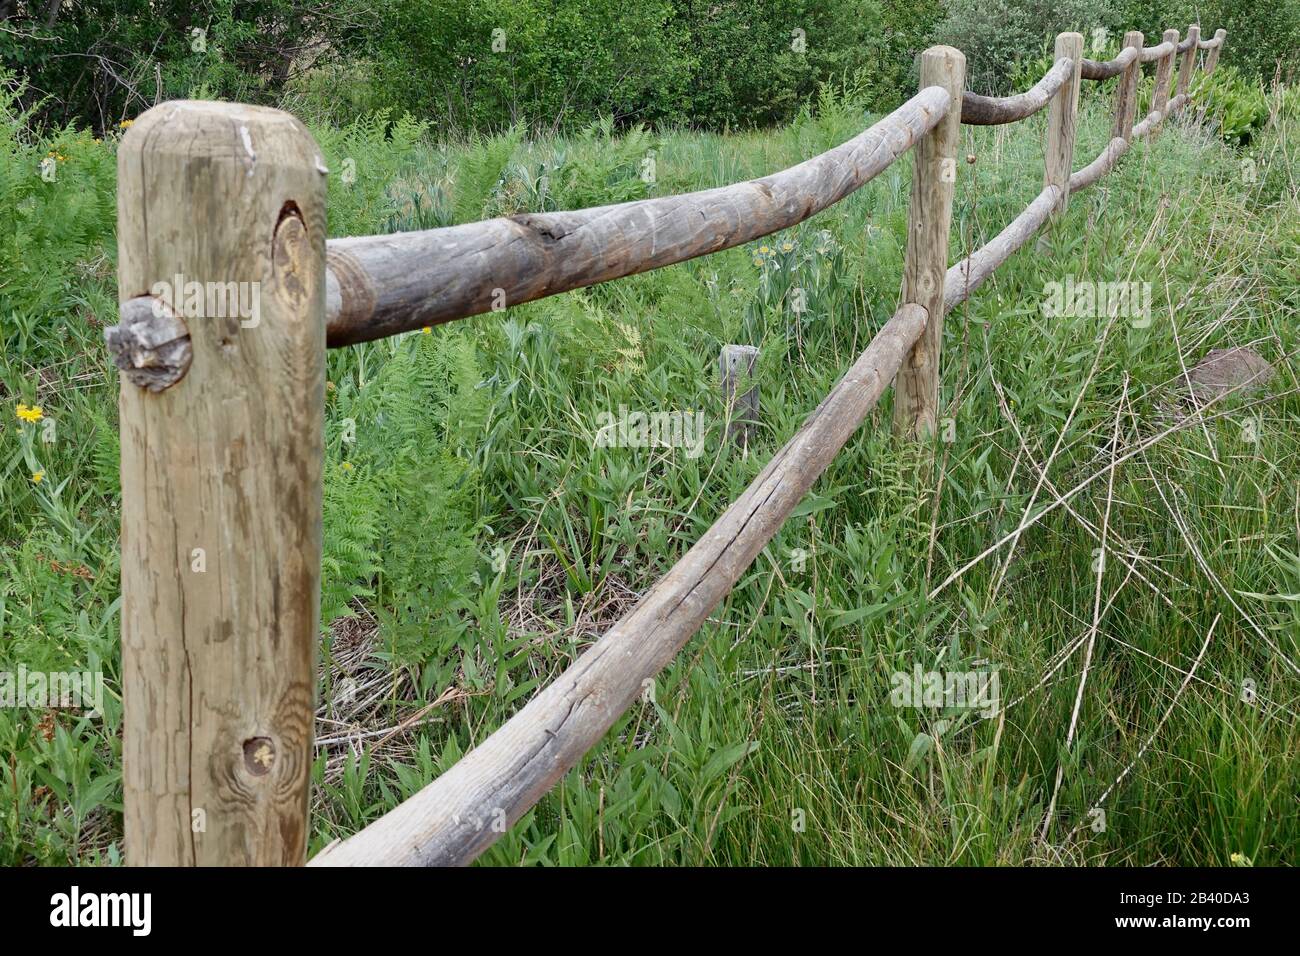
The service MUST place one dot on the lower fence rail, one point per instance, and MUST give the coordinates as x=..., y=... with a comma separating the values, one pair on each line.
x=460, y=814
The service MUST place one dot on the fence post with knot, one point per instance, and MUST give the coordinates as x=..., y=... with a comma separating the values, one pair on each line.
x=221, y=342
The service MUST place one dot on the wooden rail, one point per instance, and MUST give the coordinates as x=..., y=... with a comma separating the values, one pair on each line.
x=979, y=110
x=379, y=286
x=222, y=418
x=1092, y=70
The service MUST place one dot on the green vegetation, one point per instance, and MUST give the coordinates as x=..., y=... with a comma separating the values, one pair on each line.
x=476, y=540
x=558, y=65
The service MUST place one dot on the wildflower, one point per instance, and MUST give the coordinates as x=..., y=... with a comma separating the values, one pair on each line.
x=330, y=386
x=30, y=414
x=126, y=124
x=346, y=466
x=427, y=330
x=758, y=260
x=764, y=249
x=787, y=246
x=38, y=476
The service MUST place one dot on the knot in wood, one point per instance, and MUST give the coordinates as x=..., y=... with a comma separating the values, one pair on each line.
x=150, y=343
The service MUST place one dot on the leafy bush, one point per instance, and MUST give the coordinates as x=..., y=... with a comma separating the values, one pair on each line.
x=566, y=63
x=482, y=66
x=108, y=60
x=56, y=195
x=996, y=35
x=1236, y=104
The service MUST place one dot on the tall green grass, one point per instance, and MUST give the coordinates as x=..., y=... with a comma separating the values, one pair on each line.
x=477, y=540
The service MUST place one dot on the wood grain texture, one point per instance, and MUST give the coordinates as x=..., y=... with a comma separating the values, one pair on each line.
x=929, y=215
x=1100, y=166
x=383, y=285
x=221, y=487
x=977, y=110
x=1150, y=123
x=1212, y=59
x=1104, y=70
x=1126, y=91
x=1062, y=119
x=1163, y=49
x=1164, y=73
x=459, y=815
x=1188, y=65
x=969, y=274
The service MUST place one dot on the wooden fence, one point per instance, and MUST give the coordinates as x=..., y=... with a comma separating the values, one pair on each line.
x=222, y=431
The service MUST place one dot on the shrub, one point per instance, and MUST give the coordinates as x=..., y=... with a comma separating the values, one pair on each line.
x=996, y=35
x=107, y=60
x=1238, y=105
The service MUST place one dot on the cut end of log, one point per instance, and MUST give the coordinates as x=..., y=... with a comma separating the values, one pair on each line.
x=150, y=343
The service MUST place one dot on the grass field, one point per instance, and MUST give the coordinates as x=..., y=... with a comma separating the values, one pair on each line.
x=477, y=538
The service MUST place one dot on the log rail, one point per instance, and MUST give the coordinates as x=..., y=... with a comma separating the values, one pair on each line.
x=247, y=764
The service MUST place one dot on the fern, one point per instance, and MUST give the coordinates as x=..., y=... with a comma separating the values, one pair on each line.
x=479, y=172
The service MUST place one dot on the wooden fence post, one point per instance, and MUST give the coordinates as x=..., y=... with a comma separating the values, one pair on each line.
x=1126, y=91
x=221, y=238
x=736, y=364
x=1189, y=62
x=934, y=174
x=1164, y=71
x=1212, y=59
x=1061, y=119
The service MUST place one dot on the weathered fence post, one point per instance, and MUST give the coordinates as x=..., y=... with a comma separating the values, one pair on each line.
x=1164, y=71
x=934, y=174
x=736, y=364
x=1061, y=119
x=1188, y=66
x=221, y=238
x=1126, y=91
x=1212, y=59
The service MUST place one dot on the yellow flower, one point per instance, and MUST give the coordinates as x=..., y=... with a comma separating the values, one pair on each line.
x=38, y=476
x=126, y=124
x=330, y=386
x=764, y=250
x=346, y=466
x=30, y=414
x=427, y=330
x=787, y=246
